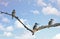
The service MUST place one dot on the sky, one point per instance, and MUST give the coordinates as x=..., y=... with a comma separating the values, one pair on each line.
x=29, y=12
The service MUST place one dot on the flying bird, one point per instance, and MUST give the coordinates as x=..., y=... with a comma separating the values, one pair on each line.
x=13, y=13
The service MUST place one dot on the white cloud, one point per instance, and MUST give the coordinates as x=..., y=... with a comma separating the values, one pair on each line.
x=6, y=20
x=9, y=28
x=18, y=24
x=8, y=34
x=57, y=36
x=4, y=3
x=26, y=35
x=56, y=1
x=41, y=3
x=52, y=1
x=35, y=11
x=58, y=27
x=7, y=31
x=50, y=10
x=0, y=15
x=1, y=27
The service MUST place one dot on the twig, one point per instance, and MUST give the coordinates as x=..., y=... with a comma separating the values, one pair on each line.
x=48, y=26
x=33, y=31
x=19, y=21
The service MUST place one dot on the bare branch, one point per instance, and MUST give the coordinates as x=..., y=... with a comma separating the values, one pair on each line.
x=19, y=21
x=34, y=30
x=48, y=26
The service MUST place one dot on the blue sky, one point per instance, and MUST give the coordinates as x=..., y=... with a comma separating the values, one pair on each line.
x=29, y=11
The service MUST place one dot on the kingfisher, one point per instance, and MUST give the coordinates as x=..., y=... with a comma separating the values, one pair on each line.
x=35, y=27
x=50, y=22
x=13, y=13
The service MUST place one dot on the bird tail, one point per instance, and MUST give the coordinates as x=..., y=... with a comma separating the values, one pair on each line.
x=32, y=33
x=12, y=16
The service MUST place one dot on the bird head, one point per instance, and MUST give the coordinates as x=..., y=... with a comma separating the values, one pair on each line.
x=36, y=23
x=13, y=9
x=51, y=19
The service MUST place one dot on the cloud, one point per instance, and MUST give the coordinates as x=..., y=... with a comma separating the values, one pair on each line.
x=55, y=1
x=9, y=28
x=4, y=3
x=49, y=10
x=1, y=27
x=7, y=31
x=58, y=27
x=6, y=20
x=35, y=11
x=26, y=35
x=41, y=3
x=58, y=2
x=56, y=36
x=8, y=34
x=18, y=24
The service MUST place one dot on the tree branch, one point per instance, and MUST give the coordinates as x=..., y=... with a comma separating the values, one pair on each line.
x=18, y=20
x=48, y=26
x=33, y=31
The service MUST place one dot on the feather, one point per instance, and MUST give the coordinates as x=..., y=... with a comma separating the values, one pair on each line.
x=13, y=13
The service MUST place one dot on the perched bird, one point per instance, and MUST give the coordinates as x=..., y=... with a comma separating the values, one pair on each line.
x=13, y=13
x=35, y=27
x=50, y=22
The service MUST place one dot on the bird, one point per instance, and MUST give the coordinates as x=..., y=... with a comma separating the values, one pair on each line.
x=35, y=27
x=13, y=13
x=50, y=22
